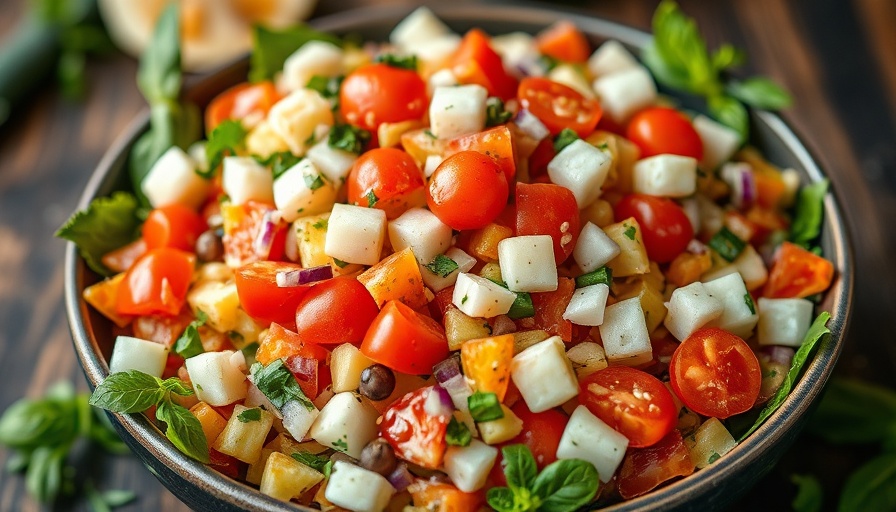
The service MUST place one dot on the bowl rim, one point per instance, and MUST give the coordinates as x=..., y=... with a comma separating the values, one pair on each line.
x=702, y=482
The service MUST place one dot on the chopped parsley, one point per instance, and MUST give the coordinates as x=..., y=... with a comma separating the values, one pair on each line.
x=429, y=134
x=727, y=244
x=714, y=457
x=565, y=138
x=317, y=462
x=371, y=199
x=226, y=139
x=630, y=232
x=442, y=266
x=279, y=163
x=464, y=300
x=348, y=138
x=320, y=224
x=397, y=61
x=313, y=181
x=340, y=444
x=494, y=112
x=748, y=300
x=328, y=87
x=339, y=263
x=249, y=415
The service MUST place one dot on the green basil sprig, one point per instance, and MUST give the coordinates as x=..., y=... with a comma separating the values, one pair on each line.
x=190, y=344
x=107, y=224
x=271, y=48
x=226, y=139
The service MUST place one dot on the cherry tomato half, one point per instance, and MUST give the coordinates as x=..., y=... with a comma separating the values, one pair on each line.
x=660, y=130
x=262, y=299
x=633, y=402
x=644, y=469
x=548, y=209
x=175, y=226
x=665, y=228
x=468, y=190
x=405, y=340
x=559, y=106
x=378, y=93
x=416, y=436
x=156, y=283
x=715, y=373
x=386, y=179
x=337, y=310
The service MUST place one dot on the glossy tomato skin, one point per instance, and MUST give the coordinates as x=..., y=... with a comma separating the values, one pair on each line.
x=548, y=209
x=467, y=191
x=378, y=93
x=559, y=106
x=156, y=283
x=643, y=469
x=337, y=310
x=262, y=299
x=241, y=101
x=495, y=142
x=665, y=228
x=797, y=273
x=549, y=309
x=662, y=130
x=476, y=62
x=391, y=175
x=405, y=340
x=175, y=226
x=416, y=436
x=734, y=373
x=541, y=434
x=633, y=402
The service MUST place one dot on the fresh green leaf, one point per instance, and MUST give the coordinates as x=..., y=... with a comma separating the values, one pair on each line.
x=226, y=139
x=279, y=162
x=271, y=48
x=317, y=462
x=816, y=332
x=630, y=232
x=806, y=225
x=458, y=434
x=339, y=263
x=95, y=499
x=853, y=412
x=809, y=496
x=727, y=244
x=159, y=76
x=522, y=306
x=494, y=112
x=130, y=391
x=484, y=406
x=726, y=57
x=277, y=383
x=118, y=497
x=564, y=138
x=519, y=466
x=43, y=478
x=565, y=485
x=189, y=343
x=348, y=138
x=177, y=386
x=18, y=462
x=371, y=199
x=184, y=430
x=731, y=113
x=501, y=499
x=29, y=424
x=313, y=181
x=441, y=265
x=248, y=415
x=872, y=486
x=748, y=300
x=397, y=61
x=107, y=224
x=679, y=46
x=328, y=87
x=603, y=275
x=760, y=92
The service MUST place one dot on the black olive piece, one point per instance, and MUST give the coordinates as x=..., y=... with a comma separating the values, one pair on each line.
x=344, y=457
x=377, y=382
x=209, y=246
x=379, y=457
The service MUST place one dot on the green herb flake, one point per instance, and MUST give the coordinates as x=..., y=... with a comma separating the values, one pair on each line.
x=249, y=415
x=277, y=383
x=442, y=266
x=348, y=138
x=107, y=224
x=484, y=406
x=565, y=138
x=313, y=181
x=189, y=344
x=522, y=306
x=371, y=198
x=279, y=162
x=495, y=114
x=727, y=244
x=320, y=463
x=397, y=61
x=339, y=263
x=603, y=275
x=429, y=134
x=340, y=445
x=748, y=300
x=630, y=232
x=713, y=457
x=320, y=224
x=228, y=138
x=464, y=299
x=271, y=48
x=458, y=434
x=328, y=87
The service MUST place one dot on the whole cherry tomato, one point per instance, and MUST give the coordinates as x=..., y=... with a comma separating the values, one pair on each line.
x=156, y=283
x=241, y=101
x=337, y=310
x=660, y=130
x=378, y=93
x=386, y=179
x=665, y=228
x=468, y=190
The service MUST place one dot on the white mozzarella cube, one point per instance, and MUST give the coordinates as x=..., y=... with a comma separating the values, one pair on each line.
x=751, y=267
x=245, y=180
x=532, y=126
x=355, y=234
x=196, y=151
x=218, y=377
x=335, y=164
x=131, y=353
x=464, y=263
x=594, y=249
x=587, y=305
x=357, y=489
x=784, y=321
x=434, y=51
x=478, y=297
x=312, y=58
x=346, y=423
x=544, y=375
x=692, y=210
x=457, y=110
x=588, y=438
x=302, y=190
x=611, y=57
x=418, y=27
x=297, y=418
x=173, y=180
x=625, y=92
x=568, y=75
x=690, y=308
x=582, y=168
x=527, y=263
x=739, y=316
x=666, y=175
x=719, y=141
x=296, y=117
x=514, y=48
x=422, y=231
x=468, y=466
x=431, y=164
x=624, y=333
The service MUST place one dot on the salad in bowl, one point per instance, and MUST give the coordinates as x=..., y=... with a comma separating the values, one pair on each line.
x=452, y=271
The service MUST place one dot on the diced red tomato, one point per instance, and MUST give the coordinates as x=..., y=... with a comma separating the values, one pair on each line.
x=495, y=142
x=306, y=371
x=281, y=343
x=337, y=310
x=224, y=464
x=175, y=226
x=378, y=93
x=559, y=106
x=563, y=41
x=665, y=228
x=549, y=309
x=242, y=224
x=715, y=373
x=467, y=191
x=541, y=434
x=475, y=62
x=262, y=299
x=548, y=209
x=443, y=497
x=415, y=436
x=540, y=158
x=241, y=101
x=386, y=179
x=660, y=130
x=797, y=273
x=122, y=258
x=643, y=469
x=163, y=329
x=405, y=340
x=439, y=305
x=156, y=283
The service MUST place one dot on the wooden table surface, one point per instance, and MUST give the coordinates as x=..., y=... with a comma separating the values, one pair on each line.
x=835, y=56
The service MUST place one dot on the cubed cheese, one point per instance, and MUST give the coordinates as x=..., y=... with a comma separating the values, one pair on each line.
x=625, y=92
x=357, y=489
x=355, y=234
x=347, y=423
x=173, y=180
x=582, y=168
x=544, y=375
x=479, y=297
x=333, y=163
x=464, y=261
x=609, y=58
x=690, y=308
x=422, y=231
x=296, y=117
x=751, y=267
x=218, y=377
x=246, y=180
x=624, y=333
x=739, y=315
x=418, y=27
x=312, y=58
x=468, y=466
x=594, y=248
x=719, y=142
x=243, y=440
x=784, y=321
x=586, y=307
x=303, y=190
x=137, y=354
x=588, y=438
x=457, y=110
x=514, y=48
x=527, y=263
x=666, y=175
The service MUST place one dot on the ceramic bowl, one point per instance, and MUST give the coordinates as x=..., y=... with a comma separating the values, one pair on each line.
x=204, y=489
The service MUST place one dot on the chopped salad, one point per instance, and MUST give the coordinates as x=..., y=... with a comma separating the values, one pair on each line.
x=453, y=271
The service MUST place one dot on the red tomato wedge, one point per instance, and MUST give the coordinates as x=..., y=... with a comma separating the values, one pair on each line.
x=405, y=340
x=644, y=469
x=559, y=106
x=563, y=41
x=241, y=101
x=633, y=402
x=475, y=62
x=175, y=226
x=156, y=283
x=548, y=209
x=262, y=299
x=416, y=436
x=549, y=309
x=496, y=143
x=665, y=228
x=715, y=373
x=377, y=93
x=797, y=273
x=337, y=310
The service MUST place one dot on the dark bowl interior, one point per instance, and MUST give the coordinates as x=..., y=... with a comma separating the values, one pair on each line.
x=204, y=489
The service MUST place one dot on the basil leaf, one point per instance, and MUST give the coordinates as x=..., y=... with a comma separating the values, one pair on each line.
x=130, y=391
x=726, y=57
x=348, y=138
x=672, y=76
x=760, y=92
x=809, y=496
x=184, y=430
x=731, y=113
x=189, y=343
x=248, y=415
x=177, y=386
x=565, y=138
x=872, y=486
x=29, y=424
x=43, y=479
x=277, y=383
x=107, y=224
x=159, y=76
x=566, y=485
x=501, y=499
x=316, y=462
x=118, y=497
x=271, y=48
x=852, y=411
x=816, y=331
x=682, y=49
x=227, y=138
x=806, y=225
x=279, y=162
x=441, y=265
x=396, y=61
x=519, y=466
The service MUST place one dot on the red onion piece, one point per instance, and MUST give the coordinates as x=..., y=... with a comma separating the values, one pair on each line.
x=265, y=237
x=531, y=125
x=739, y=176
x=696, y=247
x=291, y=278
x=400, y=477
x=776, y=354
x=446, y=370
x=438, y=402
